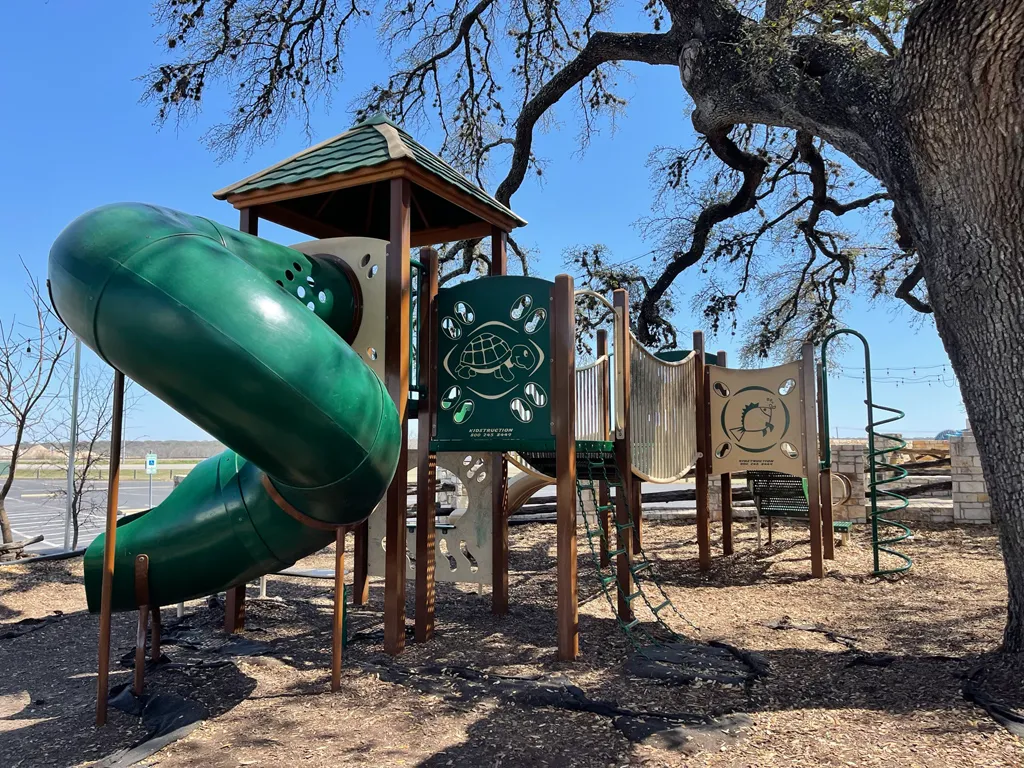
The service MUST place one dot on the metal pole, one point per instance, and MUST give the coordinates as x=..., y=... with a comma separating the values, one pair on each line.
x=151, y=491
x=109, y=543
x=73, y=445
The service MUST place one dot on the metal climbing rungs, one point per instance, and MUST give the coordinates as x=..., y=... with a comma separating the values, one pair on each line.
x=591, y=470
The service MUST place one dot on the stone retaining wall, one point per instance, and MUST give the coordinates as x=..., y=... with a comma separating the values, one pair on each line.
x=970, y=494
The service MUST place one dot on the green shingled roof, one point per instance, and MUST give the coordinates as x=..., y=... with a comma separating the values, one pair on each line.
x=373, y=141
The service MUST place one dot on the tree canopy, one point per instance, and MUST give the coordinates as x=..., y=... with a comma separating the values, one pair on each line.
x=758, y=208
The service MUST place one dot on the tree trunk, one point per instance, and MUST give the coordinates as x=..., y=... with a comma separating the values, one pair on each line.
x=958, y=88
x=5, y=525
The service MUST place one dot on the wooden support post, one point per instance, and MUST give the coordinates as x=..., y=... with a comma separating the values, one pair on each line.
x=426, y=461
x=234, y=609
x=249, y=221
x=499, y=472
x=109, y=543
x=727, y=544
x=499, y=535
x=563, y=415
x=360, y=564
x=142, y=601
x=623, y=458
x=703, y=456
x=396, y=379
x=234, y=599
x=828, y=535
x=156, y=634
x=809, y=403
x=636, y=507
x=604, y=516
x=337, y=623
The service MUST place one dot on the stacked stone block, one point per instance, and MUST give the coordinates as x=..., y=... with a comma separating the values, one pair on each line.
x=970, y=494
x=848, y=459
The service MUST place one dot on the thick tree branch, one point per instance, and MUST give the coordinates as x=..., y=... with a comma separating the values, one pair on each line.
x=602, y=48
x=753, y=169
x=904, y=291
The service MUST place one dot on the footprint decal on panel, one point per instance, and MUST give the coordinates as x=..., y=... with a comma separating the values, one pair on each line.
x=463, y=412
x=535, y=394
x=451, y=329
x=521, y=410
x=535, y=321
x=522, y=304
x=450, y=397
x=464, y=312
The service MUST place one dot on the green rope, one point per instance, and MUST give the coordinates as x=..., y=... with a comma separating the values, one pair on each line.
x=596, y=468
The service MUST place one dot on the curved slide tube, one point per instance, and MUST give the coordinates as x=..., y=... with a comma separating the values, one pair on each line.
x=245, y=338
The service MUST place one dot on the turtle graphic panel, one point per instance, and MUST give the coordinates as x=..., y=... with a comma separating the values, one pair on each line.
x=494, y=367
x=756, y=421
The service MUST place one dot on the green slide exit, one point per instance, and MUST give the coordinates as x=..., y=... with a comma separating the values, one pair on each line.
x=245, y=338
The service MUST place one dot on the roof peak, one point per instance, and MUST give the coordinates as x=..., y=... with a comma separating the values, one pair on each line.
x=378, y=119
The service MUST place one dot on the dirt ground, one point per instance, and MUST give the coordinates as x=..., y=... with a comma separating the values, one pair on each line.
x=894, y=699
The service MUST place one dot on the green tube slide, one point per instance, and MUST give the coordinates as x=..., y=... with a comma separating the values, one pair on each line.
x=245, y=338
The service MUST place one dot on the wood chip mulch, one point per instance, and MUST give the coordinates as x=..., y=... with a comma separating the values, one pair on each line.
x=862, y=671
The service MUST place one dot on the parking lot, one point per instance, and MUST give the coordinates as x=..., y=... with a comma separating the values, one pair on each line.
x=35, y=508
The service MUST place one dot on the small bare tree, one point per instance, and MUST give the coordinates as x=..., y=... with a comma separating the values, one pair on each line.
x=95, y=417
x=31, y=352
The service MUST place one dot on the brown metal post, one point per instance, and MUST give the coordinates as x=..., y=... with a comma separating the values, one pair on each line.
x=604, y=515
x=234, y=609
x=360, y=564
x=248, y=221
x=396, y=379
x=426, y=461
x=809, y=403
x=337, y=623
x=624, y=460
x=563, y=415
x=499, y=472
x=157, y=632
x=703, y=456
x=234, y=599
x=828, y=535
x=142, y=601
x=109, y=543
x=727, y=544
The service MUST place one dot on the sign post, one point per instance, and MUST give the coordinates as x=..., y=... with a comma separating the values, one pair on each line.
x=150, y=470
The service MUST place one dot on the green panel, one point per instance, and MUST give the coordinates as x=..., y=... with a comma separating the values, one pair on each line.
x=494, y=364
x=243, y=337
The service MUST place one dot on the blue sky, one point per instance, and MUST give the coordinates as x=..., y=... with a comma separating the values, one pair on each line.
x=75, y=136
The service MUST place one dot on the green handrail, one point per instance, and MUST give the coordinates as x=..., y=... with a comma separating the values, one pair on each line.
x=874, y=460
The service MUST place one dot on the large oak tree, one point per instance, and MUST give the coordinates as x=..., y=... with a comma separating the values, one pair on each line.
x=922, y=98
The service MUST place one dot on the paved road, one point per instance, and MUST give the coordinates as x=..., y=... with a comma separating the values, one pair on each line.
x=33, y=510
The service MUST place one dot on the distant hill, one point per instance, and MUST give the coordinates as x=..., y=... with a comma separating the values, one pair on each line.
x=133, y=449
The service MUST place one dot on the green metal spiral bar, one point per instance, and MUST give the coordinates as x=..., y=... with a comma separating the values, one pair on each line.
x=875, y=462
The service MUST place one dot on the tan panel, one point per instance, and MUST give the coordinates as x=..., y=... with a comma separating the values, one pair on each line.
x=753, y=425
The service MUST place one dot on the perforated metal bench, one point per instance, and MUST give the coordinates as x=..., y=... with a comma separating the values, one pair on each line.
x=777, y=494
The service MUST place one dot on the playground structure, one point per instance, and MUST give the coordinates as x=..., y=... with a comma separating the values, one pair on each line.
x=310, y=361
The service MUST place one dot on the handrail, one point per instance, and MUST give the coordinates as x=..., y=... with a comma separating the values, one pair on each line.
x=588, y=366
x=635, y=341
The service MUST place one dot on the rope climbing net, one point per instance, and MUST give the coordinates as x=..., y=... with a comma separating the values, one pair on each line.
x=594, y=468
